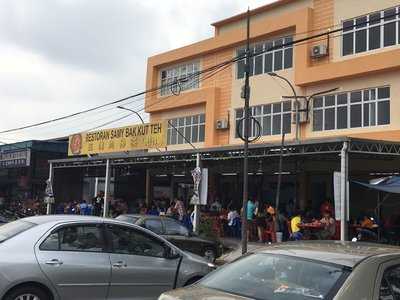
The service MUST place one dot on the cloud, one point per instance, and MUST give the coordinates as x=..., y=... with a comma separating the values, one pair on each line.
x=61, y=56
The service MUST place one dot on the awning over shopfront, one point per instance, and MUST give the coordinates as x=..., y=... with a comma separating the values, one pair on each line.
x=389, y=184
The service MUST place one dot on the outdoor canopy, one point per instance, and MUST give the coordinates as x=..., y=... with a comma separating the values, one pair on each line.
x=389, y=184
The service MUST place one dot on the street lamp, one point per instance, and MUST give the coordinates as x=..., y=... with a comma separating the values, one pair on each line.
x=131, y=110
x=272, y=74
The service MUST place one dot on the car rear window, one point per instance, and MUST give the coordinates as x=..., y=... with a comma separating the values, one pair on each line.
x=128, y=219
x=277, y=277
x=9, y=230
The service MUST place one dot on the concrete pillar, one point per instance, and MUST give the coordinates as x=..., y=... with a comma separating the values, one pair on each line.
x=343, y=191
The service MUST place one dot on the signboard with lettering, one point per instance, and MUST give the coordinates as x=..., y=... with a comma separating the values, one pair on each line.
x=15, y=159
x=129, y=138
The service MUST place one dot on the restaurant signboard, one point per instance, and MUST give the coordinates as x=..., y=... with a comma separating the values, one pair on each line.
x=129, y=138
x=15, y=159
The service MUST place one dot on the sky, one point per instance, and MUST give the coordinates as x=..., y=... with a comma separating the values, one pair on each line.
x=61, y=56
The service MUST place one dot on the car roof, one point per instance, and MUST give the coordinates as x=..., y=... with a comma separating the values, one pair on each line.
x=60, y=218
x=147, y=216
x=336, y=252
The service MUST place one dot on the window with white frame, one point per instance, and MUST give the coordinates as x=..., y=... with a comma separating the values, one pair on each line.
x=362, y=108
x=191, y=127
x=185, y=75
x=272, y=119
x=373, y=31
x=266, y=61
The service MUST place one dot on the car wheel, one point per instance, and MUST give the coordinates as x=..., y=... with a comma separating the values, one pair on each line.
x=27, y=293
x=209, y=254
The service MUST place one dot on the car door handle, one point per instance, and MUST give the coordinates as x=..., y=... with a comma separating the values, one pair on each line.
x=119, y=264
x=54, y=262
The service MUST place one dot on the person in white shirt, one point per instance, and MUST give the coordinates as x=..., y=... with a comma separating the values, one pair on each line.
x=216, y=206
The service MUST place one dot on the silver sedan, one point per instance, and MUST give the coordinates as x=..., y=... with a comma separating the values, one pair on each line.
x=76, y=257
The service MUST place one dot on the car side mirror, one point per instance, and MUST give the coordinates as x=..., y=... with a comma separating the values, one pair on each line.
x=171, y=253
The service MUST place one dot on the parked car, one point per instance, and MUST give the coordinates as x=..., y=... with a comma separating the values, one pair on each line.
x=303, y=271
x=177, y=234
x=77, y=257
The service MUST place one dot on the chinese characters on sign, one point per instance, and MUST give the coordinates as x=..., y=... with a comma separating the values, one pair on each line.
x=15, y=159
x=136, y=137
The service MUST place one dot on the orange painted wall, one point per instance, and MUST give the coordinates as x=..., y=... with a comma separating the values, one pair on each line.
x=216, y=92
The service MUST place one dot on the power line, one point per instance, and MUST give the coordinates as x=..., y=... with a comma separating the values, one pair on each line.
x=239, y=57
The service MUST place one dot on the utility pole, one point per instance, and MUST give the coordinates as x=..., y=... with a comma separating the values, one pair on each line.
x=246, y=138
x=278, y=187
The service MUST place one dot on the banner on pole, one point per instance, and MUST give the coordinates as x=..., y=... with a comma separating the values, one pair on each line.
x=337, y=195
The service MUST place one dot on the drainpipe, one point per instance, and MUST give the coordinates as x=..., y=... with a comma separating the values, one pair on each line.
x=343, y=191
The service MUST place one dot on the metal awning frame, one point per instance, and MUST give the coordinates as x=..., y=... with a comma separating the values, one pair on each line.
x=256, y=151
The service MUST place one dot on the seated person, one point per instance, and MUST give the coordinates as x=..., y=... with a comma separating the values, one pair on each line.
x=367, y=226
x=294, y=224
x=329, y=226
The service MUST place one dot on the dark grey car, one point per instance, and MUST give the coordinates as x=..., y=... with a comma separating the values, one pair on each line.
x=303, y=271
x=83, y=258
x=177, y=234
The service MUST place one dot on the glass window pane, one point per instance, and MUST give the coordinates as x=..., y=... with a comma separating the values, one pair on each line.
x=268, y=63
x=180, y=136
x=366, y=114
x=342, y=117
x=251, y=64
x=287, y=123
x=87, y=238
x=317, y=120
x=188, y=133
x=384, y=93
x=188, y=121
x=361, y=41
x=372, y=114
x=195, y=134
x=288, y=58
x=373, y=94
x=181, y=121
x=330, y=100
x=389, y=34
x=374, y=37
x=277, y=107
x=202, y=133
x=128, y=241
x=239, y=113
x=355, y=97
x=392, y=279
x=276, y=124
x=288, y=40
x=389, y=14
x=329, y=119
x=174, y=228
x=258, y=68
x=202, y=118
x=383, y=113
x=240, y=69
x=278, y=42
x=173, y=137
x=374, y=18
x=355, y=116
x=278, y=60
x=347, y=43
x=51, y=243
x=174, y=122
x=348, y=25
x=154, y=225
x=196, y=119
x=318, y=102
x=257, y=110
x=342, y=99
x=361, y=22
x=266, y=125
x=267, y=109
x=366, y=95
x=287, y=106
x=268, y=45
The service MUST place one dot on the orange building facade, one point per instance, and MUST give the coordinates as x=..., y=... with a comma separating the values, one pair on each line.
x=362, y=61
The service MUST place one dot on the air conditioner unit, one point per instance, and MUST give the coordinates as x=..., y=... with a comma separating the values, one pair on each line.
x=302, y=110
x=222, y=124
x=319, y=51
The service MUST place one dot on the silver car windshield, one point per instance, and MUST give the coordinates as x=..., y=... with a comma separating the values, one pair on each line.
x=12, y=229
x=276, y=277
x=127, y=219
